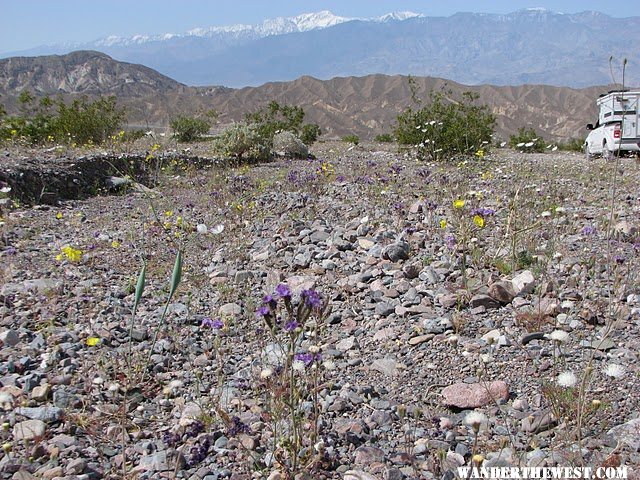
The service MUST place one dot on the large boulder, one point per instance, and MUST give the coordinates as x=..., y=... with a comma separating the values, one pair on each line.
x=286, y=144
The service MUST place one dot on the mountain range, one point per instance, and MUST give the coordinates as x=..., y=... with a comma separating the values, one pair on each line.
x=532, y=46
x=365, y=106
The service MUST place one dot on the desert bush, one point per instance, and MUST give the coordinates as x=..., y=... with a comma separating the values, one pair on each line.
x=309, y=133
x=189, y=129
x=527, y=140
x=81, y=122
x=446, y=127
x=572, y=145
x=242, y=141
x=351, y=139
x=34, y=124
x=384, y=138
x=278, y=118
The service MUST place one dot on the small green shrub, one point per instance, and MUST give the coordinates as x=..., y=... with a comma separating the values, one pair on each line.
x=189, y=129
x=351, y=139
x=446, y=127
x=309, y=133
x=527, y=140
x=572, y=145
x=82, y=121
x=384, y=138
x=88, y=122
x=278, y=118
x=242, y=141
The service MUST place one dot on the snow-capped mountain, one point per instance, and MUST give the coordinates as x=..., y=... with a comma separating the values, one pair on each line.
x=274, y=26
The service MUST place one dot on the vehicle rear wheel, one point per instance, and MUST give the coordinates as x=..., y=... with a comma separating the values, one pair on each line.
x=606, y=153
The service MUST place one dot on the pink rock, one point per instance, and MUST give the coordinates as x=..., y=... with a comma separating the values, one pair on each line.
x=472, y=395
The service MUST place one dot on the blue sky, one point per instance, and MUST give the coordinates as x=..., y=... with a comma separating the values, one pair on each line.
x=29, y=23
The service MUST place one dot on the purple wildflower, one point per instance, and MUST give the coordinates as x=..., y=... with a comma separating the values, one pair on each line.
x=340, y=179
x=588, y=230
x=237, y=426
x=216, y=323
x=450, y=240
x=307, y=357
x=283, y=291
x=199, y=451
x=263, y=311
x=270, y=301
x=311, y=298
x=291, y=325
x=619, y=260
x=483, y=212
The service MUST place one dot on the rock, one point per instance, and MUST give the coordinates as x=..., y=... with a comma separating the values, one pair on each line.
x=502, y=291
x=366, y=455
x=396, y=251
x=346, y=344
x=9, y=338
x=627, y=433
x=473, y=395
x=625, y=230
x=46, y=414
x=365, y=243
x=597, y=344
x=286, y=144
x=230, y=310
x=523, y=283
x=384, y=309
x=536, y=422
x=480, y=300
x=420, y=339
x=29, y=430
x=25, y=475
x=386, y=366
x=529, y=337
x=358, y=475
x=41, y=392
x=156, y=462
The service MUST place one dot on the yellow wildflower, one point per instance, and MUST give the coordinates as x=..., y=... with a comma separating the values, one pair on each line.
x=59, y=215
x=480, y=153
x=458, y=203
x=479, y=221
x=115, y=244
x=93, y=341
x=71, y=253
x=443, y=223
x=168, y=213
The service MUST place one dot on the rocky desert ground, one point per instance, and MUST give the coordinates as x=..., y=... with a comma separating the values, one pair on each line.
x=359, y=315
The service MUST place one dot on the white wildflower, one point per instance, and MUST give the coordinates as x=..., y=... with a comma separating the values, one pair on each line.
x=545, y=214
x=329, y=365
x=266, y=373
x=560, y=210
x=475, y=420
x=298, y=365
x=201, y=228
x=567, y=379
x=5, y=189
x=615, y=370
x=559, y=336
x=218, y=229
x=314, y=349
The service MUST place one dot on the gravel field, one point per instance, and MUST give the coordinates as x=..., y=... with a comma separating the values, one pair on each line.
x=485, y=311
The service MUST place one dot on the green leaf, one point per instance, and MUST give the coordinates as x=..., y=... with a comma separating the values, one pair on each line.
x=177, y=274
x=140, y=286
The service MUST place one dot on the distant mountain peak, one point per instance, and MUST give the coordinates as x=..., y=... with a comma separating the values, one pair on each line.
x=273, y=26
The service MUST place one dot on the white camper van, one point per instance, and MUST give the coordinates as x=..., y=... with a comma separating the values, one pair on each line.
x=617, y=128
